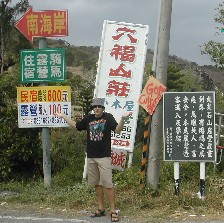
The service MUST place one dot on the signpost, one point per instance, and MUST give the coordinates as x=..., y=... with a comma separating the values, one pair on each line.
x=51, y=23
x=38, y=65
x=36, y=108
x=189, y=131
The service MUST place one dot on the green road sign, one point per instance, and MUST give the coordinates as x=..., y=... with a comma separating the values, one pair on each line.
x=42, y=65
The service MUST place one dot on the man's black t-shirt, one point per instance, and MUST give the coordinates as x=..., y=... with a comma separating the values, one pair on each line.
x=98, y=134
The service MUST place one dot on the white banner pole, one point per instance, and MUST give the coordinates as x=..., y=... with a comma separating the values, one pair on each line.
x=176, y=178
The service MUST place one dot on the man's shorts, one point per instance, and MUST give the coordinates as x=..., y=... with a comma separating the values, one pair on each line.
x=100, y=172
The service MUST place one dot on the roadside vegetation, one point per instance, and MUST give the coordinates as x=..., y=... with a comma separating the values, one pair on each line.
x=71, y=196
x=21, y=174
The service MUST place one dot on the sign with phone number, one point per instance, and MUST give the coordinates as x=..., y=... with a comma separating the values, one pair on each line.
x=37, y=106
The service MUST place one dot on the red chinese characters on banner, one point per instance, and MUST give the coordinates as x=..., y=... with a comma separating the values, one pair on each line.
x=127, y=31
x=125, y=54
x=118, y=158
x=120, y=72
x=119, y=142
x=151, y=95
x=118, y=88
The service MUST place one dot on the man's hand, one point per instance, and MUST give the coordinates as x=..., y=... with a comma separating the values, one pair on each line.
x=122, y=121
x=126, y=115
x=66, y=118
x=61, y=115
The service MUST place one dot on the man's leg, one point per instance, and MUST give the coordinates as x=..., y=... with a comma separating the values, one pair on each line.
x=93, y=179
x=111, y=197
x=100, y=197
x=104, y=165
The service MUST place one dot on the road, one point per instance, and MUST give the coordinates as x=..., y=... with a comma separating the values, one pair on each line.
x=32, y=219
x=106, y=219
x=32, y=214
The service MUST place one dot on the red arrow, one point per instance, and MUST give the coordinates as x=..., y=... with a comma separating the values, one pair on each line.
x=50, y=23
x=21, y=25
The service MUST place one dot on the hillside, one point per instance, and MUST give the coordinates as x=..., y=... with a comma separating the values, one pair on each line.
x=82, y=60
x=87, y=58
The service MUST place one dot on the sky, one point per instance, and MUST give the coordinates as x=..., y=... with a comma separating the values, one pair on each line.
x=192, y=22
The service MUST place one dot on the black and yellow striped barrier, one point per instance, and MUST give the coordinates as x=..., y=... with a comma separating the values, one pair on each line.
x=145, y=151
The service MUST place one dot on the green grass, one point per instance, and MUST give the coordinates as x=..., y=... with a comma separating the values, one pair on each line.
x=70, y=193
x=131, y=199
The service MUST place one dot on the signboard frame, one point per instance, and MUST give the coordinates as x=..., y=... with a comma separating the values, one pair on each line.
x=42, y=65
x=197, y=138
x=114, y=69
x=37, y=106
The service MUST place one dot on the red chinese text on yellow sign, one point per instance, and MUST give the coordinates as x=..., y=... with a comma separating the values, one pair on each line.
x=43, y=94
x=151, y=95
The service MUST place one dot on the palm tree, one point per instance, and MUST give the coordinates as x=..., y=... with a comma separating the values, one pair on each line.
x=8, y=33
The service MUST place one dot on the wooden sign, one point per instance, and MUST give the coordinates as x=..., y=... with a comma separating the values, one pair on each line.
x=151, y=95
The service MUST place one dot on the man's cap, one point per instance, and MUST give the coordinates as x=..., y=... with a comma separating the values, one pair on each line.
x=98, y=101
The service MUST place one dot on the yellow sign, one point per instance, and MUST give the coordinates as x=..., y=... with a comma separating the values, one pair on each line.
x=44, y=94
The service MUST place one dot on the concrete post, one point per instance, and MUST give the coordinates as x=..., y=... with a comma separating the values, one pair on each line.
x=46, y=139
x=156, y=136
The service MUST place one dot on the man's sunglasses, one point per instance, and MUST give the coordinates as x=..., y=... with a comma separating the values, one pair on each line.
x=98, y=106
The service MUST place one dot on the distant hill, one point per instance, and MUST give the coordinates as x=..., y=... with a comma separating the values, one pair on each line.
x=92, y=54
x=216, y=74
x=83, y=60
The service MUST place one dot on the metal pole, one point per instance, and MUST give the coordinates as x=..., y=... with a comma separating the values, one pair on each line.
x=130, y=158
x=155, y=147
x=176, y=178
x=218, y=136
x=202, y=180
x=84, y=175
x=46, y=139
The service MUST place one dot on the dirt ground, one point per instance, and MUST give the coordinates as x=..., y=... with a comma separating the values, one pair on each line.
x=152, y=216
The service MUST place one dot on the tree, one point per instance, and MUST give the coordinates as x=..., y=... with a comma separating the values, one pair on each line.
x=215, y=50
x=8, y=34
x=87, y=96
x=20, y=151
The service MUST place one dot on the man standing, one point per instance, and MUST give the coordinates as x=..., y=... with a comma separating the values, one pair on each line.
x=99, y=126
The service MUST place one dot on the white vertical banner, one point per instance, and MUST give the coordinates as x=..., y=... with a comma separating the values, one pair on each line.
x=120, y=75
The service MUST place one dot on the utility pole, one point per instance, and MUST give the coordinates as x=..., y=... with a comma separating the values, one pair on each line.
x=156, y=134
x=2, y=41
